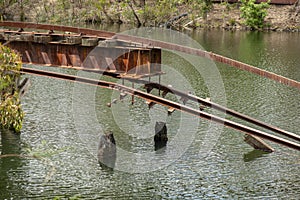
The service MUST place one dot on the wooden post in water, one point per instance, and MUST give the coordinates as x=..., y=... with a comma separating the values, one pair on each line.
x=23, y=87
x=160, y=137
x=107, y=150
x=167, y=103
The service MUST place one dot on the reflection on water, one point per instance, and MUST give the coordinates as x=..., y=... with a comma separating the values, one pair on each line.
x=275, y=52
x=231, y=169
x=254, y=154
x=9, y=166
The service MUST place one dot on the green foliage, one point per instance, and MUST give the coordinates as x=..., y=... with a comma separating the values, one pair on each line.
x=157, y=12
x=101, y=5
x=11, y=113
x=154, y=12
x=164, y=9
x=8, y=61
x=254, y=14
x=199, y=8
x=232, y=22
x=206, y=7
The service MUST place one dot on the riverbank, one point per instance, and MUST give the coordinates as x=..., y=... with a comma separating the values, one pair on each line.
x=279, y=18
x=175, y=14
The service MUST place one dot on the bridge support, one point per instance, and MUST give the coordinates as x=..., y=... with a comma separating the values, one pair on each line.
x=24, y=87
x=183, y=108
x=107, y=150
x=160, y=137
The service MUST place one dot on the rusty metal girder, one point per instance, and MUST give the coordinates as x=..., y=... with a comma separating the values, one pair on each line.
x=72, y=51
x=150, y=86
x=165, y=45
x=59, y=28
x=165, y=102
x=213, y=57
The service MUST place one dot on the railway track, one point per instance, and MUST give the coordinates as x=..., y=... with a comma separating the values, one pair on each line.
x=171, y=104
x=152, y=99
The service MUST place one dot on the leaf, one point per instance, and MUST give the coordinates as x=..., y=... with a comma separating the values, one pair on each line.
x=10, y=108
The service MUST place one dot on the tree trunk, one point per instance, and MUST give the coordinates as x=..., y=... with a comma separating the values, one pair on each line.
x=297, y=11
x=22, y=14
x=138, y=22
x=142, y=3
x=109, y=19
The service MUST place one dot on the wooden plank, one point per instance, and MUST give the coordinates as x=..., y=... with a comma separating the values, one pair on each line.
x=150, y=103
x=171, y=110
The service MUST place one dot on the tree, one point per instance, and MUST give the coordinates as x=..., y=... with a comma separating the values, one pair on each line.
x=5, y=9
x=254, y=14
x=11, y=113
x=102, y=6
x=142, y=3
x=206, y=7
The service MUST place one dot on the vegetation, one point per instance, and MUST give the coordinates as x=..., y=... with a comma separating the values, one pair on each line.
x=11, y=113
x=140, y=12
x=254, y=14
x=150, y=13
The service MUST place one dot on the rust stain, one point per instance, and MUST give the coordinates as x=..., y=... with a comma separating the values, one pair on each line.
x=155, y=58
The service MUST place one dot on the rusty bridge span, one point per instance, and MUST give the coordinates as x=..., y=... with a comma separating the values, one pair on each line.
x=92, y=37
x=112, y=55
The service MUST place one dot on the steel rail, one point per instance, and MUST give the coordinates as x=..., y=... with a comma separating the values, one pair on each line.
x=213, y=57
x=164, y=102
x=60, y=28
x=224, y=109
x=161, y=44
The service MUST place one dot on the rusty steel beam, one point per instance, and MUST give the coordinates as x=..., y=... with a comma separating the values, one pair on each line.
x=164, y=102
x=213, y=57
x=59, y=28
x=161, y=44
x=54, y=50
x=223, y=109
x=183, y=49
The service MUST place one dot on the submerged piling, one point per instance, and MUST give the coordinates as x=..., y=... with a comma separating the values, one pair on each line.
x=160, y=137
x=107, y=150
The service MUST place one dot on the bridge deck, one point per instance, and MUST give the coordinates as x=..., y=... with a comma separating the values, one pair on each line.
x=146, y=42
x=85, y=52
x=112, y=54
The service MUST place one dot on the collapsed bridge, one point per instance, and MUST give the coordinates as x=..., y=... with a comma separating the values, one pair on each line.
x=119, y=57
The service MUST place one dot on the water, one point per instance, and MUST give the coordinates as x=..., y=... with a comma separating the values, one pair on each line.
x=63, y=122
x=274, y=51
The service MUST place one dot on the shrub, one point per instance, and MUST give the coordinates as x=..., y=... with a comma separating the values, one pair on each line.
x=254, y=14
x=11, y=113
